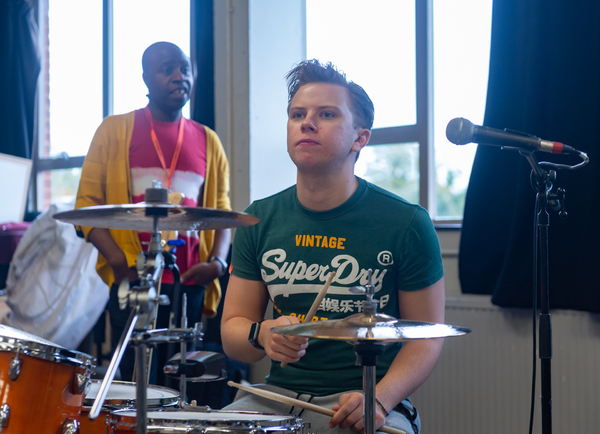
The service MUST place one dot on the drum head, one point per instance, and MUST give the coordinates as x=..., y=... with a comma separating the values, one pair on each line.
x=122, y=394
x=13, y=340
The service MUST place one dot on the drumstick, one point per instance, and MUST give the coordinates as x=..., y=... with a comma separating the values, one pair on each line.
x=298, y=403
x=316, y=304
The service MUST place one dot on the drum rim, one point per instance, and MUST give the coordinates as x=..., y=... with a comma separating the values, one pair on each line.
x=127, y=404
x=51, y=353
x=286, y=421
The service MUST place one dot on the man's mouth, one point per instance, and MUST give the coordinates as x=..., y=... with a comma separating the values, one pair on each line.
x=307, y=142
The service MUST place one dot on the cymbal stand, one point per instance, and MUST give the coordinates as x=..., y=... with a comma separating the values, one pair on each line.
x=183, y=350
x=143, y=301
x=367, y=352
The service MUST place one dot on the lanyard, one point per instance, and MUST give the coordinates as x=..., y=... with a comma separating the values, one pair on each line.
x=168, y=174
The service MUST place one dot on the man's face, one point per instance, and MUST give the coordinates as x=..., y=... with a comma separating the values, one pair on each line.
x=168, y=77
x=320, y=131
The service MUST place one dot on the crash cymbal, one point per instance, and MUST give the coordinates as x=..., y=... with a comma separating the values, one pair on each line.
x=139, y=217
x=378, y=327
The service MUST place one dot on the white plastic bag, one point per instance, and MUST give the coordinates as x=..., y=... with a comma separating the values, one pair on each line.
x=52, y=287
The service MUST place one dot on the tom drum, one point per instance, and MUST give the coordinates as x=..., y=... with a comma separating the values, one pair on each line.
x=42, y=384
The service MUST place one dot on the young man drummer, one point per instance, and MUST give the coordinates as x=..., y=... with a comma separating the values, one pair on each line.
x=332, y=221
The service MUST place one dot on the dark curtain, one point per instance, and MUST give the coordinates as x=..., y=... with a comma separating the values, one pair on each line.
x=19, y=73
x=203, y=98
x=543, y=80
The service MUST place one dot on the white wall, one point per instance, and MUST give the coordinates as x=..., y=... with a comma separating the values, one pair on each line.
x=254, y=49
x=276, y=44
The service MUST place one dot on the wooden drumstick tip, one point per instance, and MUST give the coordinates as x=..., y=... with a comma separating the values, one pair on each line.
x=315, y=306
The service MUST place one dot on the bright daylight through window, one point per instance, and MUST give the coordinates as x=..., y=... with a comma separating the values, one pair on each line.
x=74, y=77
x=378, y=51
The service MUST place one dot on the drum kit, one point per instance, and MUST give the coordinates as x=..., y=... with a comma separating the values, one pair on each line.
x=68, y=401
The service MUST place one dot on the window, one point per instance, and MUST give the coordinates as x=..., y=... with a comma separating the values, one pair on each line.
x=417, y=84
x=79, y=94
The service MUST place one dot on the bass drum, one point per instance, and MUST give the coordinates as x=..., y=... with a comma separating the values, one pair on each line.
x=42, y=384
x=121, y=395
x=205, y=422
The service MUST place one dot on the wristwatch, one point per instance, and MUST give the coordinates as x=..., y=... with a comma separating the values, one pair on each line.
x=253, y=337
x=222, y=262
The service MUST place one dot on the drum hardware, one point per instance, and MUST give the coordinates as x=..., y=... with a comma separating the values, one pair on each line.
x=369, y=332
x=4, y=416
x=81, y=384
x=70, y=426
x=194, y=407
x=144, y=300
x=15, y=366
x=199, y=366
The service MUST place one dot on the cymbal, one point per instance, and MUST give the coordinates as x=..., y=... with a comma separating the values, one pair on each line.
x=139, y=217
x=378, y=327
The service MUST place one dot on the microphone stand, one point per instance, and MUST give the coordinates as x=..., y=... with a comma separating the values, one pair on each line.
x=541, y=181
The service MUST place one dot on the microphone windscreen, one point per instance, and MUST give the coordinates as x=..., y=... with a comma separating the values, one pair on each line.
x=460, y=131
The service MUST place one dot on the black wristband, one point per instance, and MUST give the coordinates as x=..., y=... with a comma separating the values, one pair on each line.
x=253, y=336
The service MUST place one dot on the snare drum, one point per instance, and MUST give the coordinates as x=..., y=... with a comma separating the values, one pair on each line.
x=121, y=395
x=42, y=384
x=213, y=422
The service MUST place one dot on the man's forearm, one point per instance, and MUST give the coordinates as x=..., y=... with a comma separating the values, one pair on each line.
x=106, y=245
x=409, y=370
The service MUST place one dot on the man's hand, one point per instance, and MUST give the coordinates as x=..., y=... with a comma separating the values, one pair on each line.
x=280, y=347
x=123, y=271
x=203, y=273
x=349, y=413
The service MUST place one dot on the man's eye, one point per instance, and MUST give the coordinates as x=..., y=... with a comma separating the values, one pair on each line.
x=327, y=115
x=168, y=71
x=296, y=115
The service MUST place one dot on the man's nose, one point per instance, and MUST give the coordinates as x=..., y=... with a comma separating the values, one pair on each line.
x=308, y=124
x=179, y=76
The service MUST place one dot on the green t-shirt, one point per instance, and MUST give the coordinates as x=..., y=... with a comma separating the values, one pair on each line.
x=293, y=249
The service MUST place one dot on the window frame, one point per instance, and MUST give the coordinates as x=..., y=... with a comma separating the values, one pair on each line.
x=39, y=164
x=422, y=131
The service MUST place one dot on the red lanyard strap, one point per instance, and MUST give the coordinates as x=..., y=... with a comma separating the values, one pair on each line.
x=168, y=174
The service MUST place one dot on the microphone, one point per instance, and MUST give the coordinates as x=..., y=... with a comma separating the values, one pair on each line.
x=460, y=131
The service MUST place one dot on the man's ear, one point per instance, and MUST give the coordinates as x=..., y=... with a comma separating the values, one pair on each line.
x=363, y=136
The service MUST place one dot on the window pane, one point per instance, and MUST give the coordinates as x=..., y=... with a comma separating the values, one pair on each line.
x=138, y=24
x=374, y=45
x=394, y=167
x=59, y=186
x=75, y=76
x=462, y=31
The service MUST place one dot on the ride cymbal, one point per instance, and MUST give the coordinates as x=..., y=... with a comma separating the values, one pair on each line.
x=140, y=217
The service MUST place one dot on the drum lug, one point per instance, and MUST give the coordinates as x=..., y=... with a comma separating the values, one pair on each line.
x=81, y=384
x=70, y=426
x=4, y=416
x=15, y=367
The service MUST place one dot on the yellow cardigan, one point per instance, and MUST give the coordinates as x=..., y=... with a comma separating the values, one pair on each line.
x=106, y=180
